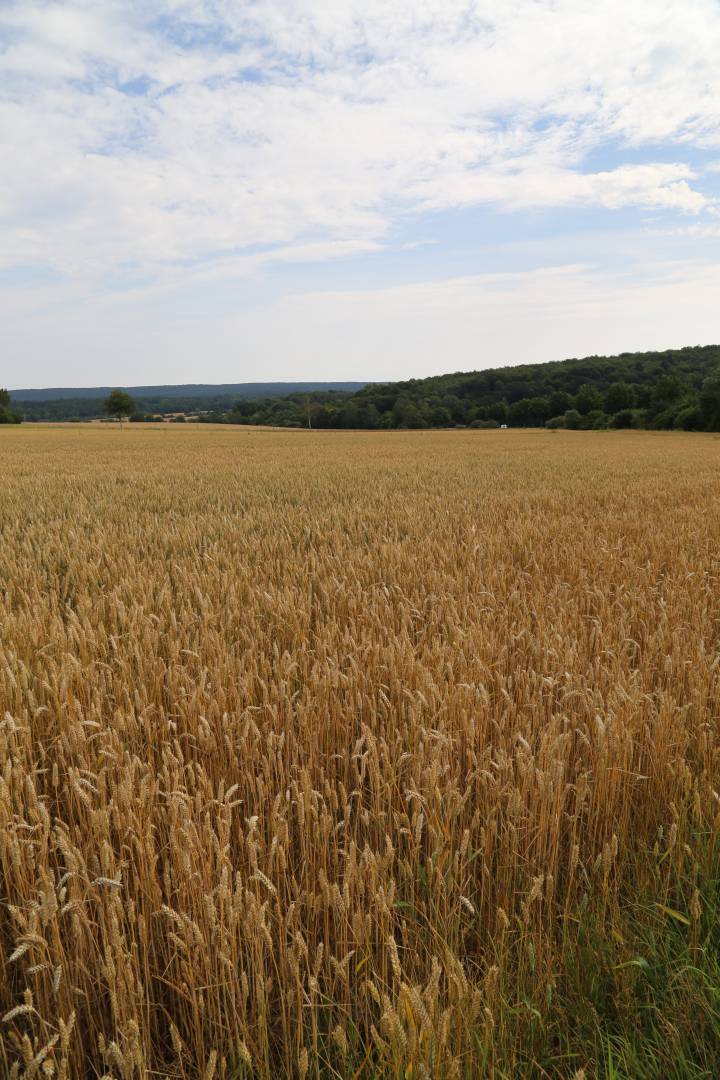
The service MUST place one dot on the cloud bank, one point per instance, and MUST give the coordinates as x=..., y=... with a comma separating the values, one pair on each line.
x=149, y=144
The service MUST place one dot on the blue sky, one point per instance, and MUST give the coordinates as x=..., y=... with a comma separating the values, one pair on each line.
x=209, y=190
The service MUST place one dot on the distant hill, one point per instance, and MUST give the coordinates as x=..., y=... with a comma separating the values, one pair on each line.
x=187, y=390
x=83, y=403
x=676, y=388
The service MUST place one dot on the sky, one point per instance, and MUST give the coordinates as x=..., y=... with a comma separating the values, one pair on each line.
x=244, y=190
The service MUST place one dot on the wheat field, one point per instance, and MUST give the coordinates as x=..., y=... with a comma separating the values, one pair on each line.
x=359, y=755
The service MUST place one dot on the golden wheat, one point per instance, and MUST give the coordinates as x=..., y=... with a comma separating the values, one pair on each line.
x=314, y=747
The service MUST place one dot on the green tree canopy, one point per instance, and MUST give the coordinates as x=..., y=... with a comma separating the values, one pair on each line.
x=7, y=414
x=710, y=401
x=618, y=396
x=119, y=404
x=587, y=399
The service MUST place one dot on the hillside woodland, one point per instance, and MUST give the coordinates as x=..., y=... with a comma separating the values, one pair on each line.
x=678, y=388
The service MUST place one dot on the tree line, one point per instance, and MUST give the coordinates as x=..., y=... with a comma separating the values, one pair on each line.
x=678, y=388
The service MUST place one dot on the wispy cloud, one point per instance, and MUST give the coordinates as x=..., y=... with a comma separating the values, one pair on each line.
x=162, y=131
x=164, y=140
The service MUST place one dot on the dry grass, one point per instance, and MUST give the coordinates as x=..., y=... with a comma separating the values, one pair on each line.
x=340, y=755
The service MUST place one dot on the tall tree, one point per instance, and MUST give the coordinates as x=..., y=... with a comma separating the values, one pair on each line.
x=587, y=399
x=7, y=415
x=119, y=404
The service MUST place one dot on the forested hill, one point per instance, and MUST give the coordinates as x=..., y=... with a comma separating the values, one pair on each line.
x=677, y=388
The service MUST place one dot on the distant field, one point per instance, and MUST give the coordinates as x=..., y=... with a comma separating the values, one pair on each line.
x=359, y=754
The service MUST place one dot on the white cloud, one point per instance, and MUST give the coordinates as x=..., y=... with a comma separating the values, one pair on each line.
x=657, y=185
x=182, y=148
x=296, y=121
